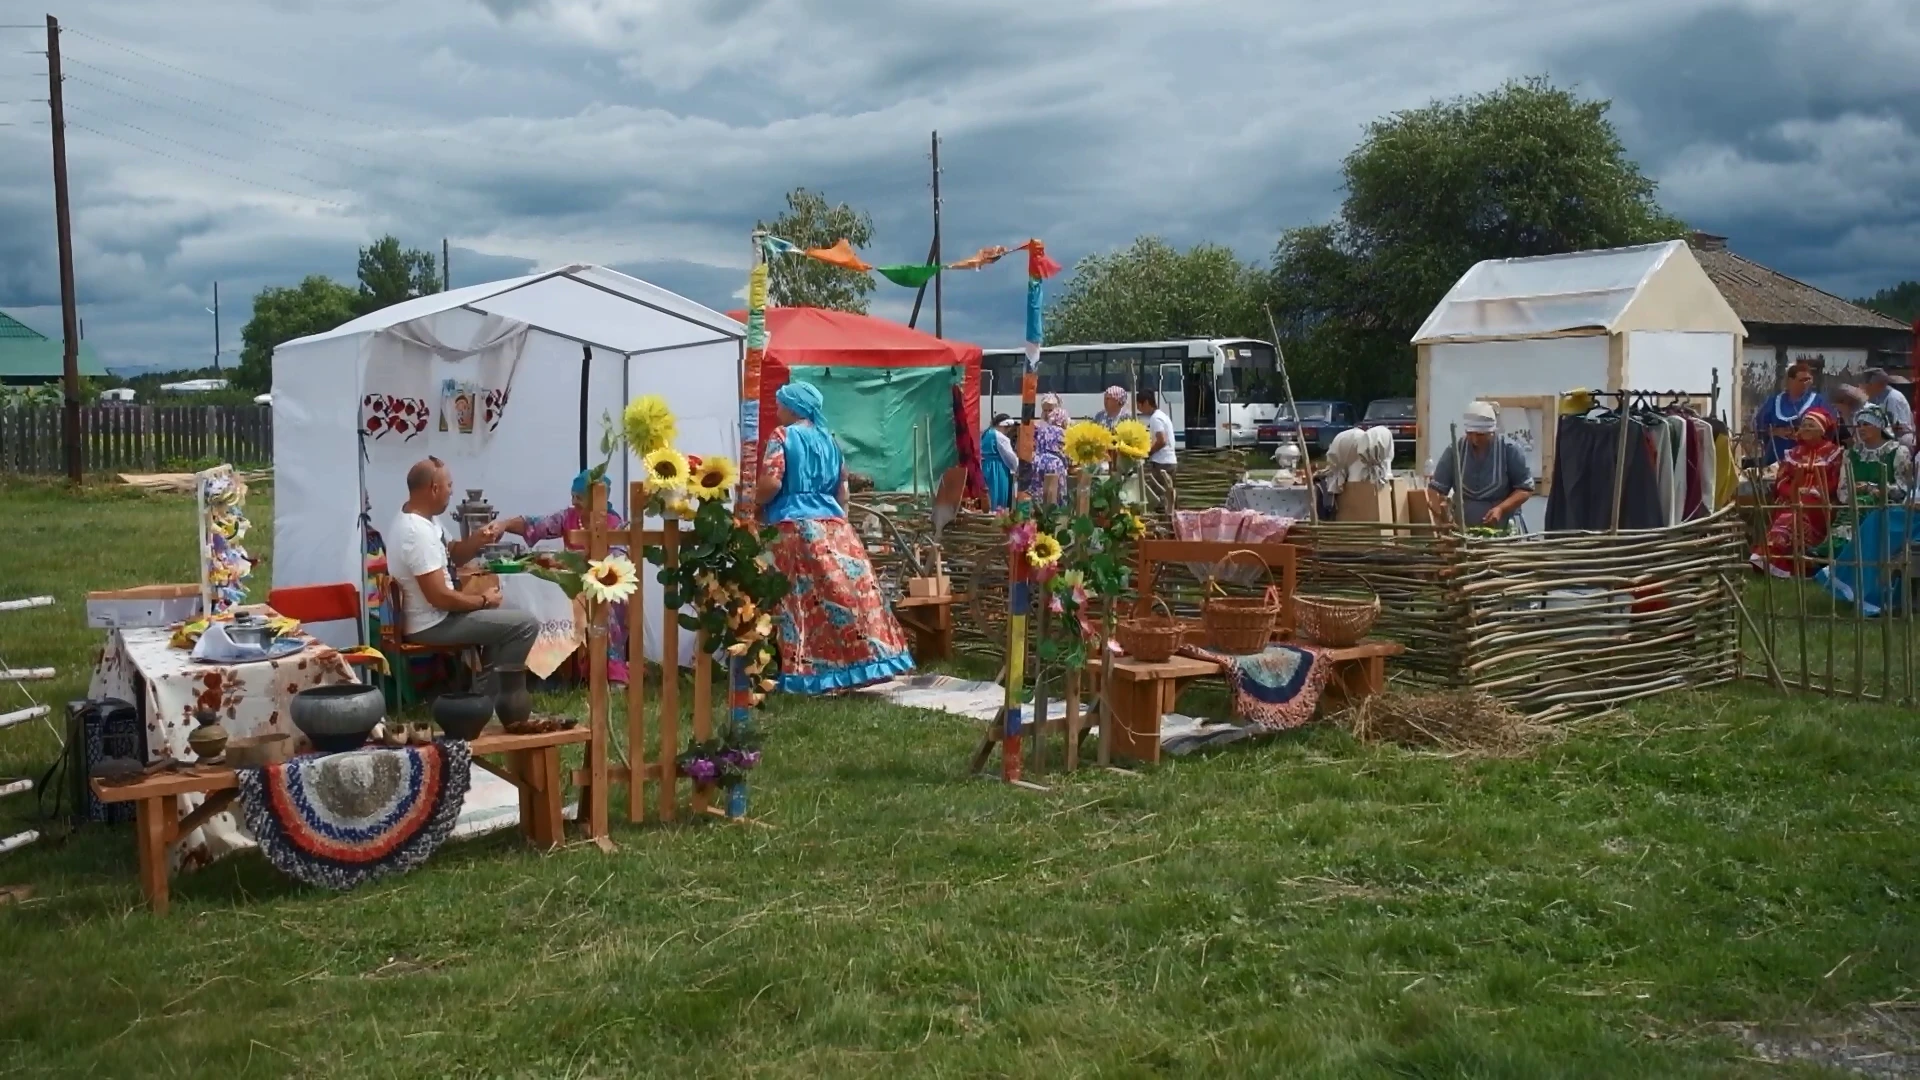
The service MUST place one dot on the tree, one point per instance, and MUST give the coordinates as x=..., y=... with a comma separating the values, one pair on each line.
x=1900, y=302
x=390, y=274
x=810, y=222
x=280, y=314
x=1154, y=292
x=1528, y=169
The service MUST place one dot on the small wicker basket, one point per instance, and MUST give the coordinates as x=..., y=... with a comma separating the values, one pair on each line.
x=1240, y=624
x=1334, y=621
x=1151, y=639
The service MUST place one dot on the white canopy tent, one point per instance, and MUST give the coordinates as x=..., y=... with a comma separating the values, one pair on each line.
x=1521, y=332
x=507, y=383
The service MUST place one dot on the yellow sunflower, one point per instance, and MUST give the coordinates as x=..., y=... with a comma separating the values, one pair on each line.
x=666, y=468
x=714, y=479
x=649, y=424
x=610, y=580
x=1088, y=444
x=1131, y=438
x=1045, y=550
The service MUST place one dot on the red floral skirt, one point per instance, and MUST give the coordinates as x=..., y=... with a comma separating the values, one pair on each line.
x=835, y=630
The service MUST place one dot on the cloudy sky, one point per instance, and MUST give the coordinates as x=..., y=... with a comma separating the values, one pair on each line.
x=252, y=143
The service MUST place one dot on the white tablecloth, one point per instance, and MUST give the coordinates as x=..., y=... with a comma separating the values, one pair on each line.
x=1290, y=502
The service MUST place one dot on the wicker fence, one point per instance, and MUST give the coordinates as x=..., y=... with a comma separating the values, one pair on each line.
x=137, y=438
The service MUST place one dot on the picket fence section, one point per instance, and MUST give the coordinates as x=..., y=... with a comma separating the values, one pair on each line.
x=137, y=438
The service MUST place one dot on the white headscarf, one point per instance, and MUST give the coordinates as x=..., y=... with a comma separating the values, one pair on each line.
x=1481, y=418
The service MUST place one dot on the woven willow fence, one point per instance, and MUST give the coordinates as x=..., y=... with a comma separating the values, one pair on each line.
x=1557, y=626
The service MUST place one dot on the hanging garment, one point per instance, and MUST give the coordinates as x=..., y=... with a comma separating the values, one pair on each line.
x=1702, y=458
x=1663, y=470
x=1726, y=471
x=1585, y=456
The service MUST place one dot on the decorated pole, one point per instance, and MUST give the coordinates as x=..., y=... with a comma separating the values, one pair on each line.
x=1019, y=582
x=750, y=379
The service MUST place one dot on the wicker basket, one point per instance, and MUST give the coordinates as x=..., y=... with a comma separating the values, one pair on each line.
x=1334, y=621
x=1151, y=639
x=1236, y=624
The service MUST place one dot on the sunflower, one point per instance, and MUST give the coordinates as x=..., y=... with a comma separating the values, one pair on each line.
x=1131, y=438
x=610, y=580
x=1088, y=444
x=714, y=478
x=649, y=423
x=1045, y=550
x=666, y=468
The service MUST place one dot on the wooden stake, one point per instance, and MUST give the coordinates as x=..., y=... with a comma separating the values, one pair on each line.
x=669, y=678
x=637, y=662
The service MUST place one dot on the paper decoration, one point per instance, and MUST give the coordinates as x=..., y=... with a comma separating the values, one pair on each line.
x=224, y=565
x=913, y=275
x=382, y=415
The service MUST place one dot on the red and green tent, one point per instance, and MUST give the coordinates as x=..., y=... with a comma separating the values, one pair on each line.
x=881, y=381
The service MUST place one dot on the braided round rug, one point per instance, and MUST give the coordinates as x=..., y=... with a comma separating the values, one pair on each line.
x=341, y=820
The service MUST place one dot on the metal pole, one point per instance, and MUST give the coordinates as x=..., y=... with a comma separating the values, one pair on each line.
x=446, y=266
x=939, y=327
x=216, y=326
x=63, y=223
x=1299, y=429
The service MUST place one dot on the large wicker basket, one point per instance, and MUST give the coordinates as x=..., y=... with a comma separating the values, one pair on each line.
x=1239, y=624
x=1334, y=621
x=1151, y=639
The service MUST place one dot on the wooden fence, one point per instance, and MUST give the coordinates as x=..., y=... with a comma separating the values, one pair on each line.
x=137, y=438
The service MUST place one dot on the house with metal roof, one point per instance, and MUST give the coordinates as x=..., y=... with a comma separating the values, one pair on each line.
x=1789, y=322
x=29, y=357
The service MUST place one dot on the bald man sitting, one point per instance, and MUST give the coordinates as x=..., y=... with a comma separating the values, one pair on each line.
x=418, y=557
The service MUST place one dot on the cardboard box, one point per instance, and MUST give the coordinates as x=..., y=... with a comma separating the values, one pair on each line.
x=1363, y=500
x=144, y=607
x=930, y=586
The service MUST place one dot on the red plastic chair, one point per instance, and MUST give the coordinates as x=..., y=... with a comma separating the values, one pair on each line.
x=321, y=604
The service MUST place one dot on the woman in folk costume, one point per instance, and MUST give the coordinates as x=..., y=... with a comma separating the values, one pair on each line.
x=1779, y=415
x=836, y=632
x=1050, y=446
x=1805, y=490
x=556, y=526
x=998, y=462
x=1878, y=480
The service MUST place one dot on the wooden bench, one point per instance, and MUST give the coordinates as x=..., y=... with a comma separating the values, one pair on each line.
x=1143, y=692
x=533, y=766
x=930, y=620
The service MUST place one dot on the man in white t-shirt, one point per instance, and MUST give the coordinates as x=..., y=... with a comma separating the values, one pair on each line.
x=1160, y=457
x=419, y=556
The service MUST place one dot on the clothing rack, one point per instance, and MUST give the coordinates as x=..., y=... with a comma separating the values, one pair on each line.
x=1625, y=401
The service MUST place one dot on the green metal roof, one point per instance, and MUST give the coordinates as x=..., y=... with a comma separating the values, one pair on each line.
x=26, y=353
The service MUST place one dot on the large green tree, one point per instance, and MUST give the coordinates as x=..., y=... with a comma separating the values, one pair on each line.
x=1152, y=291
x=1527, y=169
x=390, y=273
x=1900, y=302
x=812, y=222
x=314, y=306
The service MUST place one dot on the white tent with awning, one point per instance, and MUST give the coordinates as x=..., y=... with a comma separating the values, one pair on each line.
x=506, y=382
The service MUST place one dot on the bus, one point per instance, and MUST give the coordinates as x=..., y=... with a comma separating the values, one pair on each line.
x=1218, y=391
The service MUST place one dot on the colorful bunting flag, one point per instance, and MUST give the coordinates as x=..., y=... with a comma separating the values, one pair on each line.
x=909, y=275
x=840, y=255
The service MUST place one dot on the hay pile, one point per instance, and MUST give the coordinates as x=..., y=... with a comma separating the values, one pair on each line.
x=1458, y=722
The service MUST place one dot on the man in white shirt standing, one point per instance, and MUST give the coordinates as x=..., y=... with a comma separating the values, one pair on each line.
x=419, y=556
x=1880, y=391
x=1160, y=456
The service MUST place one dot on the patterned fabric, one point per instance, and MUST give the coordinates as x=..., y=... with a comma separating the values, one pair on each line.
x=1278, y=689
x=1049, y=455
x=836, y=632
x=338, y=821
x=556, y=526
x=1806, y=486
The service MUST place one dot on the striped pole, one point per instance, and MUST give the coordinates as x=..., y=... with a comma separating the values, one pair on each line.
x=1019, y=582
x=738, y=690
x=750, y=380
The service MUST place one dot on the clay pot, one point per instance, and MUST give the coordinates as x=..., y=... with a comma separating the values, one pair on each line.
x=336, y=718
x=463, y=716
x=513, y=702
x=208, y=740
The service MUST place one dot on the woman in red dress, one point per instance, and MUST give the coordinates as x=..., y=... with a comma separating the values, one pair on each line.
x=1805, y=489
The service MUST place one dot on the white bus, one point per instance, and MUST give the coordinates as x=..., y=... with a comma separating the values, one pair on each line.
x=1217, y=390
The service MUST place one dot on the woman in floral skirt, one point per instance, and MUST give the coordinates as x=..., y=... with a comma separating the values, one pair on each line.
x=835, y=630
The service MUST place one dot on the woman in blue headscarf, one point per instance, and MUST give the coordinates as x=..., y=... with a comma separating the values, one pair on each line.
x=997, y=462
x=556, y=526
x=836, y=632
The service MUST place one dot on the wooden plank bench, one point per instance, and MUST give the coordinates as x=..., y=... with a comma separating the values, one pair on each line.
x=1143, y=692
x=533, y=766
x=929, y=619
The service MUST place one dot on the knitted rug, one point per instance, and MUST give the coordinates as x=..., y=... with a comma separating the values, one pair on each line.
x=341, y=820
x=1278, y=689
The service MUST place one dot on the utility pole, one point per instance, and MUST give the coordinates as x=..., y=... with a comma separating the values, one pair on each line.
x=446, y=267
x=938, y=327
x=216, y=327
x=69, y=311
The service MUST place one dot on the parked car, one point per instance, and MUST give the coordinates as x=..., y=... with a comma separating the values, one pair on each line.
x=1398, y=416
x=1320, y=421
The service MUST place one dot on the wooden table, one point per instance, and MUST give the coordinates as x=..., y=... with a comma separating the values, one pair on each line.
x=930, y=620
x=533, y=766
x=1143, y=693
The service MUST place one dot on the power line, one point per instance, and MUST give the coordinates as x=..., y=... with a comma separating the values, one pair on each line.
x=211, y=153
x=217, y=127
x=203, y=168
x=210, y=78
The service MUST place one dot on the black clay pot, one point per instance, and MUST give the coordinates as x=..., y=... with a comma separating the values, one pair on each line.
x=463, y=716
x=336, y=718
x=513, y=702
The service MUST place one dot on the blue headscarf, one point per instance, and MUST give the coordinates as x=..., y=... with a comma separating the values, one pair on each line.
x=584, y=481
x=803, y=400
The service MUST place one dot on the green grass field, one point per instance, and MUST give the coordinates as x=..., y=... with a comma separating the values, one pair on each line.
x=1634, y=900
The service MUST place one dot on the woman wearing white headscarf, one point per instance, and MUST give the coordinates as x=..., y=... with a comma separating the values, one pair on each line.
x=835, y=630
x=1490, y=471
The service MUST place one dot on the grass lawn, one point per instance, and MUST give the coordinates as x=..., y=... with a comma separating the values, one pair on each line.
x=1625, y=902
